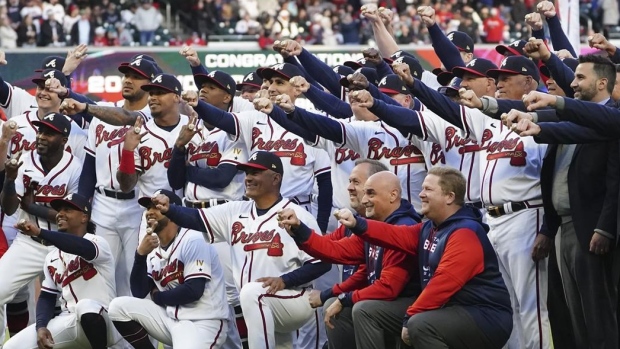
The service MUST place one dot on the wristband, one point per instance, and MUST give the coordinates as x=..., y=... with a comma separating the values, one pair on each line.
x=127, y=164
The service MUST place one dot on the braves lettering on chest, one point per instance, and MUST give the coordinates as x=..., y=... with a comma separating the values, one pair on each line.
x=112, y=138
x=206, y=150
x=20, y=143
x=74, y=269
x=344, y=154
x=437, y=155
x=171, y=272
x=58, y=190
x=282, y=147
x=148, y=157
x=511, y=148
x=398, y=155
x=464, y=145
x=267, y=239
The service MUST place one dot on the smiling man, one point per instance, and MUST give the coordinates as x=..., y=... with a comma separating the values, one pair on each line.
x=79, y=268
x=31, y=181
x=271, y=273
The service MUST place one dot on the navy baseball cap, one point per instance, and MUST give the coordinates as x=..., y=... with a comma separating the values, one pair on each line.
x=369, y=73
x=146, y=201
x=444, y=78
x=462, y=41
x=572, y=63
x=397, y=55
x=391, y=84
x=343, y=70
x=49, y=74
x=263, y=160
x=438, y=71
x=413, y=63
x=252, y=79
x=218, y=78
x=74, y=200
x=477, y=66
x=150, y=59
x=360, y=63
x=52, y=62
x=452, y=88
x=164, y=82
x=516, y=65
x=55, y=121
x=143, y=67
x=515, y=48
x=283, y=70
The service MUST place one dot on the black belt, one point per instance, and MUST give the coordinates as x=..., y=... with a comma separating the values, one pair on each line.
x=202, y=204
x=497, y=211
x=40, y=241
x=117, y=194
x=477, y=204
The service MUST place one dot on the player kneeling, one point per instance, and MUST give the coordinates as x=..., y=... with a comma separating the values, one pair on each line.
x=81, y=270
x=186, y=282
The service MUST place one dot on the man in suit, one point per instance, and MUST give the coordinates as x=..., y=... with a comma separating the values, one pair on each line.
x=52, y=33
x=579, y=184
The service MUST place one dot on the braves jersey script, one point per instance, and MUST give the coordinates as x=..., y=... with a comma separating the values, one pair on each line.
x=300, y=161
x=76, y=278
x=153, y=155
x=459, y=151
x=509, y=164
x=59, y=182
x=190, y=257
x=25, y=136
x=378, y=141
x=210, y=149
x=259, y=247
x=17, y=102
x=105, y=144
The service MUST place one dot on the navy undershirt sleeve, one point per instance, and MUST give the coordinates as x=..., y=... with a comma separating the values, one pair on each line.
x=71, y=244
x=188, y=292
x=88, y=177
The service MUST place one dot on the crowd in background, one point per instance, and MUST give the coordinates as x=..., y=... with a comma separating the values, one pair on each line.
x=30, y=23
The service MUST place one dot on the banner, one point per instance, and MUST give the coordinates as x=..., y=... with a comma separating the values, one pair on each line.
x=98, y=76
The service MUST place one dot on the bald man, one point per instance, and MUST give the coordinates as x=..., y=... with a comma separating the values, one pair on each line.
x=370, y=304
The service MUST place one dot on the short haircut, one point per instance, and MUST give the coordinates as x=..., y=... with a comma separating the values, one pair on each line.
x=374, y=166
x=451, y=180
x=603, y=68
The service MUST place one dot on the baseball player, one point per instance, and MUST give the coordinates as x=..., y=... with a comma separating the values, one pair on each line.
x=79, y=269
x=271, y=273
x=249, y=86
x=186, y=282
x=32, y=180
x=211, y=177
x=259, y=133
x=23, y=136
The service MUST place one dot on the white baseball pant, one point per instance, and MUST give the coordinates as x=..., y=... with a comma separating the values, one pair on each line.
x=179, y=334
x=66, y=330
x=513, y=236
x=118, y=222
x=20, y=264
x=273, y=318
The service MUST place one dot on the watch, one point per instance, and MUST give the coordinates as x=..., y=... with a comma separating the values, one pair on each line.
x=342, y=296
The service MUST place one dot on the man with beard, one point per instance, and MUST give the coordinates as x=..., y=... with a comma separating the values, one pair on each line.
x=79, y=269
x=182, y=273
x=32, y=180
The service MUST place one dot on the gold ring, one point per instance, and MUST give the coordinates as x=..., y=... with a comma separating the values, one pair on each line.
x=137, y=130
x=12, y=124
x=149, y=230
x=191, y=127
x=13, y=161
x=23, y=221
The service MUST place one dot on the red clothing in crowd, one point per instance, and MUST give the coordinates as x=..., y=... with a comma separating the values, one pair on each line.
x=494, y=27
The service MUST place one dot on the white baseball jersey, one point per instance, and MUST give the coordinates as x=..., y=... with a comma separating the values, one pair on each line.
x=105, y=144
x=190, y=257
x=459, y=151
x=153, y=155
x=75, y=278
x=378, y=141
x=59, y=182
x=25, y=137
x=210, y=149
x=259, y=247
x=17, y=102
x=510, y=165
x=239, y=104
x=300, y=161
